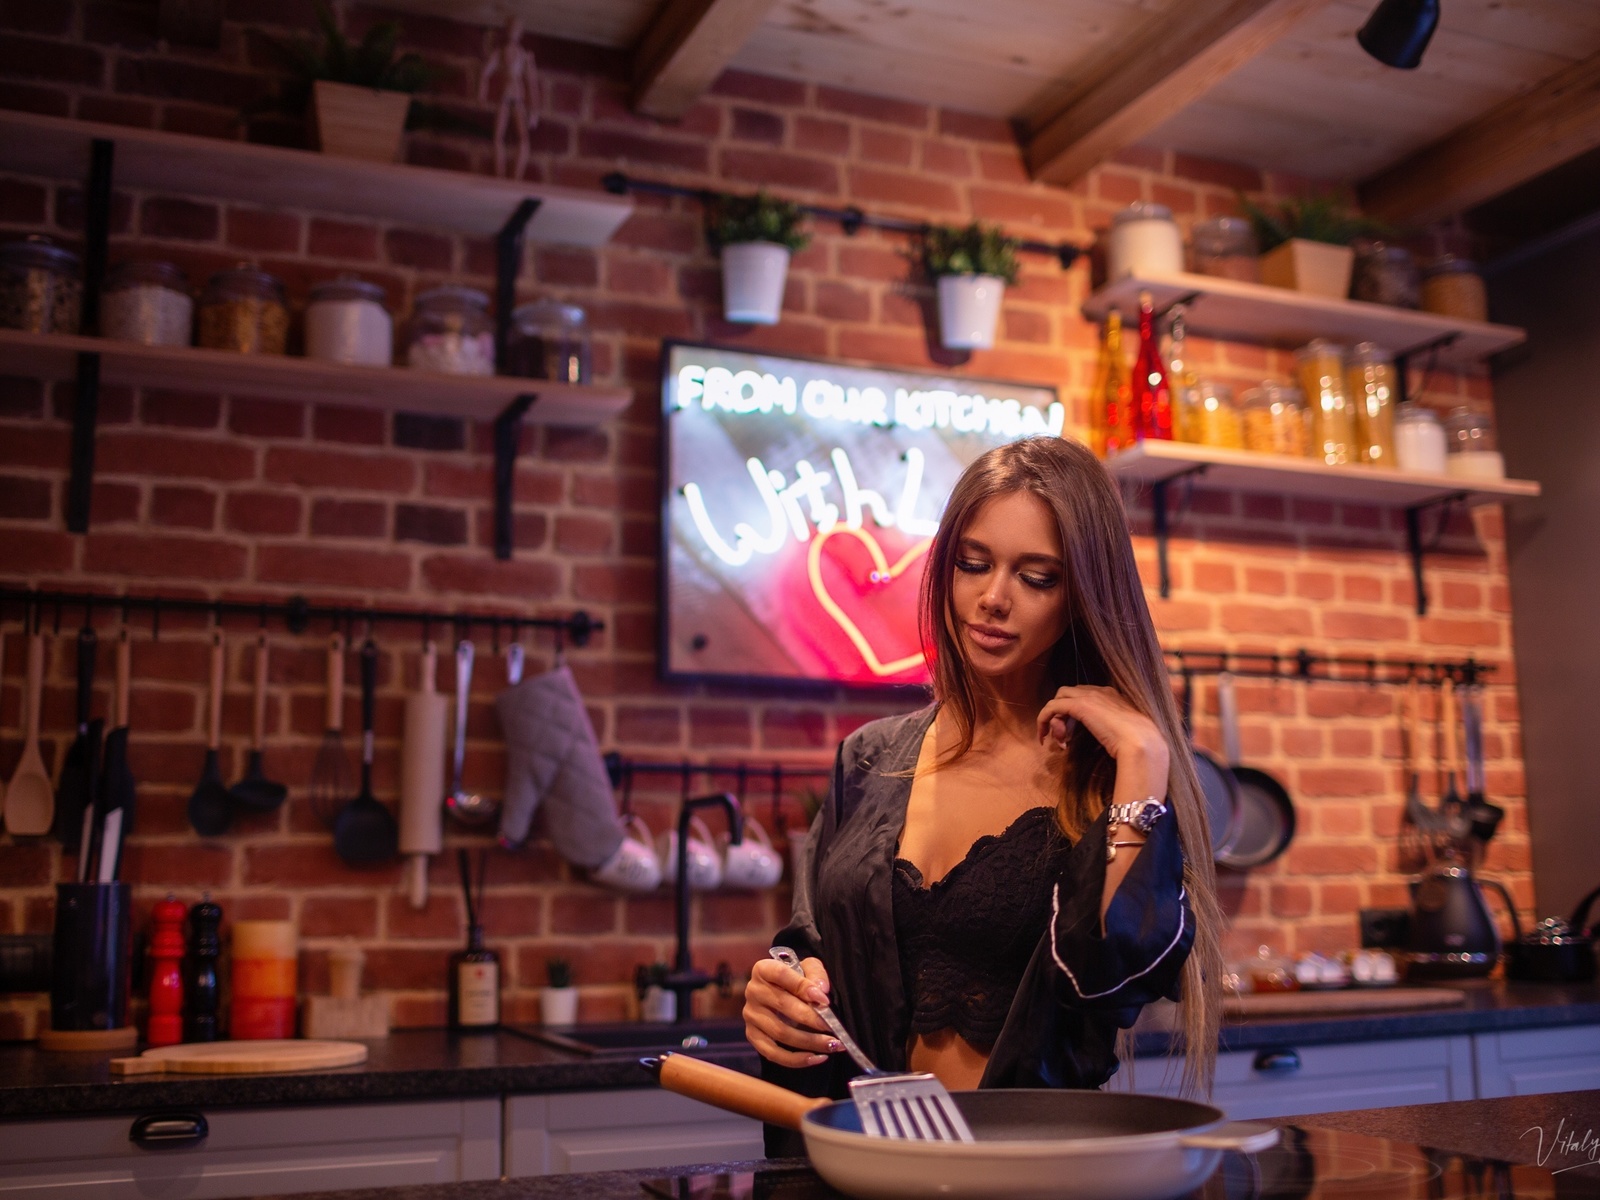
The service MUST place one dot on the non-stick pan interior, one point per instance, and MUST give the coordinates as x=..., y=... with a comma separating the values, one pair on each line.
x=1036, y=1115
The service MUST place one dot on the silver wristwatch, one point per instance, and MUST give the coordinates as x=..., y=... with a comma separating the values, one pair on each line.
x=1140, y=816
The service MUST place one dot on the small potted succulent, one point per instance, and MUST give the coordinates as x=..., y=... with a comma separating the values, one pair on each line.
x=357, y=97
x=558, y=1003
x=755, y=236
x=971, y=267
x=1306, y=243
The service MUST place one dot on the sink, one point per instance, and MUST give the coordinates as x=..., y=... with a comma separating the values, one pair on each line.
x=635, y=1037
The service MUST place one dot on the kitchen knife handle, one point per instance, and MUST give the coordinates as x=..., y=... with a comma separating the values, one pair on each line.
x=735, y=1091
x=336, y=683
x=214, y=730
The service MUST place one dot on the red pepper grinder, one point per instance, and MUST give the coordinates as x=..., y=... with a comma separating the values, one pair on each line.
x=166, y=974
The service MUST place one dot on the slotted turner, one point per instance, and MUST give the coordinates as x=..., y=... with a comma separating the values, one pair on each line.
x=909, y=1107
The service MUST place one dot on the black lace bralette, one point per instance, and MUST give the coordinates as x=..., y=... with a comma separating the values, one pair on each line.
x=966, y=940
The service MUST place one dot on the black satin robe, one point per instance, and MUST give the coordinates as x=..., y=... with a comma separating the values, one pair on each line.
x=1080, y=986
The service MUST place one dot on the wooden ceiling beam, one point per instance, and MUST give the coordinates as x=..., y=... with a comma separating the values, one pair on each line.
x=1172, y=62
x=686, y=48
x=1510, y=144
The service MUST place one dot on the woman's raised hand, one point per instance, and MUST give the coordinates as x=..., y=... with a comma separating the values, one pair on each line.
x=780, y=1019
x=1129, y=737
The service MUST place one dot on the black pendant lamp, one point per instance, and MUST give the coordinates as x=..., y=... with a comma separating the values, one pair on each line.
x=1397, y=32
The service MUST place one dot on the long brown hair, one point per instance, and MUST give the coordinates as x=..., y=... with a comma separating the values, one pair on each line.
x=1109, y=641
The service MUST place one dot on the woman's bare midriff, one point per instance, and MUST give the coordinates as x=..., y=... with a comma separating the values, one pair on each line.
x=957, y=1063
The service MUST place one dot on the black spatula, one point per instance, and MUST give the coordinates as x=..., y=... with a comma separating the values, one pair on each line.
x=365, y=833
x=255, y=792
x=210, y=805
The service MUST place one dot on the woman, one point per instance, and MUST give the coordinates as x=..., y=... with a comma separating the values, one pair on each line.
x=999, y=882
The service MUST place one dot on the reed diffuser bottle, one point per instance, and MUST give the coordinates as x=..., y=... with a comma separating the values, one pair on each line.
x=474, y=972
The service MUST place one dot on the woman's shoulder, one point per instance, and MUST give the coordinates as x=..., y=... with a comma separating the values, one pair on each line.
x=887, y=744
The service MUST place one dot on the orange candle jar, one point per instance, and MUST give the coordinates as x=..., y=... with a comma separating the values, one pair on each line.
x=263, y=979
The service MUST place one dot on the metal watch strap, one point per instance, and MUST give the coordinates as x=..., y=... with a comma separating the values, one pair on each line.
x=1136, y=816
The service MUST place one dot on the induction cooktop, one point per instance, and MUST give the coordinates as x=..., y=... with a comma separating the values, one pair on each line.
x=1306, y=1164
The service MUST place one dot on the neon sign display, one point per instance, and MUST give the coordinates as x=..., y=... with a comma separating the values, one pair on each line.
x=801, y=499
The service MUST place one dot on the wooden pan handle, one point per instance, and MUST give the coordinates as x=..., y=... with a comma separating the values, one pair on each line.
x=214, y=731
x=336, y=683
x=735, y=1091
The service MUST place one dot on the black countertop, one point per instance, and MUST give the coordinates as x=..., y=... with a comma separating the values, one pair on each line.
x=416, y=1064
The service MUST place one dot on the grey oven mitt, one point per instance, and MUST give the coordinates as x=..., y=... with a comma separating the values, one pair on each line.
x=552, y=757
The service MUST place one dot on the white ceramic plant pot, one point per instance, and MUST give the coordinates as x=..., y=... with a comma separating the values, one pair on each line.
x=753, y=275
x=1315, y=268
x=558, y=1005
x=969, y=308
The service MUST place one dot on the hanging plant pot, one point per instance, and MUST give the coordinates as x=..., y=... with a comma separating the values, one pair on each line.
x=1316, y=268
x=753, y=275
x=969, y=308
x=358, y=122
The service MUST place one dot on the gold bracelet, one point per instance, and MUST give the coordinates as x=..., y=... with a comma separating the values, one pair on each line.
x=1111, y=849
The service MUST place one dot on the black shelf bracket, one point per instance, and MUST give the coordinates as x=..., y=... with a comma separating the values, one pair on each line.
x=507, y=265
x=507, y=437
x=1414, y=541
x=86, y=401
x=1158, y=516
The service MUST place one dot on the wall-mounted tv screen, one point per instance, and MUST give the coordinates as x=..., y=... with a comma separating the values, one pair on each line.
x=800, y=501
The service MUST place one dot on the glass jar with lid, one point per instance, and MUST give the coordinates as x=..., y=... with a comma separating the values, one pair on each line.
x=451, y=332
x=1145, y=243
x=1319, y=365
x=1471, y=451
x=1419, y=442
x=347, y=322
x=1452, y=287
x=1276, y=420
x=243, y=310
x=147, y=302
x=1226, y=248
x=40, y=290
x=1214, y=417
x=1370, y=383
x=1386, y=274
x=549, y=340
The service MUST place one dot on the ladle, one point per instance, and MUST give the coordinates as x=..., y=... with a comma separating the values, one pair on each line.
x=470, y=808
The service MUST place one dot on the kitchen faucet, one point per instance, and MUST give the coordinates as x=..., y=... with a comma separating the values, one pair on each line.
x=683, y=981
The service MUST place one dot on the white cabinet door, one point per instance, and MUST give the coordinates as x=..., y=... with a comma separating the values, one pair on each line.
x=1528, y=1062
x=556, y=1132
x=254, y=1151
x=1290, y=1080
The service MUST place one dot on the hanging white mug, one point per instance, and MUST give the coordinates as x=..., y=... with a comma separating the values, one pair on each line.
x=753, y=863
x=705, y=868
x=634, y=866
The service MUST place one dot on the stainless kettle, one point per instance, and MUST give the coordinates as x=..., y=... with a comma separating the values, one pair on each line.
x=1452, y=934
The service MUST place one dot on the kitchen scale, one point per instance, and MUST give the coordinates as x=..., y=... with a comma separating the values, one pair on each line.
x=1306, y=1164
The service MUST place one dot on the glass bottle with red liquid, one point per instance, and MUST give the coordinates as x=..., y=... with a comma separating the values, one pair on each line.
x=1152, y=394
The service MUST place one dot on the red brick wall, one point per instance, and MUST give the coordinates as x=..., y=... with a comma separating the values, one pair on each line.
x=239, y=497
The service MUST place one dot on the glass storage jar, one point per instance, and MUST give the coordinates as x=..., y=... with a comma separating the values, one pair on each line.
x=1386, y=274
x=147, y=302
x=1370, y=383
x=1419, y=443
x=1471, y=452
x=1226, y=248
x=451, y=332
x=1144, y=243
x=243, y=310
x=346, y=322
x=1319, y=364
x=40, y=291
x=1452, y=287
x=1276, y=420
x=549, y=340
x=1213, y=417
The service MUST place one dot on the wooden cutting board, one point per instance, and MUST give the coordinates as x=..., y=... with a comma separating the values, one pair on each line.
x=242, y=1058
x=1297, y=1004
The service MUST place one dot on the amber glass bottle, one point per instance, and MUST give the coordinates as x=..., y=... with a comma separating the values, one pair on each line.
x=1112, y=416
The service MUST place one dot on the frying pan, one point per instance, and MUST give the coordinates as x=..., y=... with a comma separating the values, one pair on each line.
x=1217, y=784
x=1030, y=1142
x=1266, y=813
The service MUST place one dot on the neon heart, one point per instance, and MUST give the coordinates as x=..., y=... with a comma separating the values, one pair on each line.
x=882, y=573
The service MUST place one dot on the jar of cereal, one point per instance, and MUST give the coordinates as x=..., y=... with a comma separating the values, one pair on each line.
x=451, y=332
x=1276, y=420
x=39, y=287
x=147, y=302
x=1452, y=287
x=243, y=310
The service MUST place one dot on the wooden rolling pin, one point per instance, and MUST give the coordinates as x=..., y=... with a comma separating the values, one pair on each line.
x=422, y=779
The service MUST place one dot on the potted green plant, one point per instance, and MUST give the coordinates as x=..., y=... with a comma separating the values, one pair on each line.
x=356, y=96
x=756, y=235
x=1305, y=243
x=971, y=267
x=558, y=1003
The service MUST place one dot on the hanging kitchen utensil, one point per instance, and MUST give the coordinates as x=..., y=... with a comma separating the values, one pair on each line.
x=470, y=808
x=75, y=785
x=1451, y=802
x=117, y=780
x=422, y=778
x=1266, y=813
x=255, y=792
x=330, y=774
x=1483, y=818
x=1424, y=819
x=913, y=1106
x=30, y=803
x=365, y=833
x=210, y=805
x=1217, y=786
x=1028, y=1142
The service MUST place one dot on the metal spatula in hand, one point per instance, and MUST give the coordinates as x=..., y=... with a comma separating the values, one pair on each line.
x=910, y=1107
